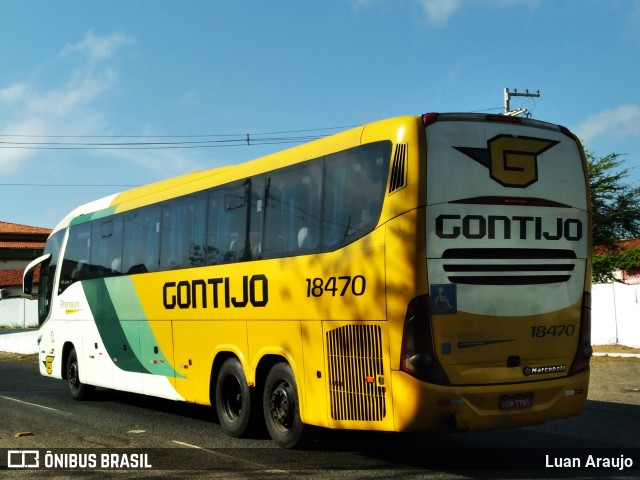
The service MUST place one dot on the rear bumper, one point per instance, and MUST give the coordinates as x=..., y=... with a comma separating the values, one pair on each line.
x=419, y=406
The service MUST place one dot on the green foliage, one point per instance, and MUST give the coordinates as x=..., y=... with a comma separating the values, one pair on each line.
x=615, y=206
x=605, y=264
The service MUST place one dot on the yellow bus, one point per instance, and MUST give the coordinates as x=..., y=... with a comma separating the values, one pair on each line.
x=413, y=274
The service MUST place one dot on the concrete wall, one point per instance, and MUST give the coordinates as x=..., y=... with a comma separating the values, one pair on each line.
x=24, y=342
x=615, y=314
x=18, y=313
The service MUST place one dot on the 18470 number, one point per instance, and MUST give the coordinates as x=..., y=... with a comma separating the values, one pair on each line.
x=344, y=285
x=540, y=331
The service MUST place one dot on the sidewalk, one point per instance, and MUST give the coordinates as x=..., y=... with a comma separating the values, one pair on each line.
x=619, y=351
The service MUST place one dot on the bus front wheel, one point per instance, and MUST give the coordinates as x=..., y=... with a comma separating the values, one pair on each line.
x=78, y=390
x=233, y=399
x=281, y=407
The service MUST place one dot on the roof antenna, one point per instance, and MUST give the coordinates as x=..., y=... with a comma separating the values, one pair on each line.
x=519, y=111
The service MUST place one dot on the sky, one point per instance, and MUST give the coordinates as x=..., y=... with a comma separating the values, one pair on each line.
x=96, y=97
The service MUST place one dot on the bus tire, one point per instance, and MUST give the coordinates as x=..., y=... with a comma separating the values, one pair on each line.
x=281, y=407
x=233, y=399
x=78, y=390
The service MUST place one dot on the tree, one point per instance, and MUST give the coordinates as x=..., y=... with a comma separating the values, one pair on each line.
x=615, y=206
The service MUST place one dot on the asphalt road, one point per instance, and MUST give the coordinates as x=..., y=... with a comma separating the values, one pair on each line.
x=185, y=441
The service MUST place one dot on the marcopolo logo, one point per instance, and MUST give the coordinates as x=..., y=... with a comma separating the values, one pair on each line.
x=512, y=161
x=542, y=370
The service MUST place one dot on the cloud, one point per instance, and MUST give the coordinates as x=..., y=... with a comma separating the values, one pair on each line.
x=615, y=123
x=97, y=48
x=634, y=15
x=360, y=4
x=32, y=109
x=13, y=93
x=439, y=11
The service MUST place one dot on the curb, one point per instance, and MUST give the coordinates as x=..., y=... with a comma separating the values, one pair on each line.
x=617, y=355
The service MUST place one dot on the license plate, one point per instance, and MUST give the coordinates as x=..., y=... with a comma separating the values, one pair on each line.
x=516, y=401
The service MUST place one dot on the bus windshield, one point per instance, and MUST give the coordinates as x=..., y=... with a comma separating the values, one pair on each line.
x=47, y=275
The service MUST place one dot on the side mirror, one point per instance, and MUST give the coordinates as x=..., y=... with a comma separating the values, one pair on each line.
x=27, y=282
x=27, y=276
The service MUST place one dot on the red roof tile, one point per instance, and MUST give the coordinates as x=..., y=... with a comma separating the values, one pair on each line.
x=633, y=243
x=623, y=244
x=12, y=277
x=7, y=227
x=22, y=245
x=22, y=237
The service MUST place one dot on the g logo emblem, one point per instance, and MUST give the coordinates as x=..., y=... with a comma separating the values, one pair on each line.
x=512, y=161
x=48, y=364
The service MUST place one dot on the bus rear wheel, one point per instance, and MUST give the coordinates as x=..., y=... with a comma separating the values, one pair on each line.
x=281, y=407
x=78, y=390
x=233, y=399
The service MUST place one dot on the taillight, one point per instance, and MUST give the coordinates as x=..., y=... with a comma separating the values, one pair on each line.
x=585, y=350
x=429, y=118
x=567, y=132
x=499, y=200
x=503, y=119
x=418, y=357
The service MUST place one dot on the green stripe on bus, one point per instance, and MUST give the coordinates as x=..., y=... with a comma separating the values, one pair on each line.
x=87, y=217
x=116, y=333
x=128, y=308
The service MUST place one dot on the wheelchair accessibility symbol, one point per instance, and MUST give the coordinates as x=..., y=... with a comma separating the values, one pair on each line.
x=444, y=299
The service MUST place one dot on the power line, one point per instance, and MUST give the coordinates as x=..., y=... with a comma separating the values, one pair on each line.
x=237, y=142
x=179, y=136
x=67, y=185
x=212, y=140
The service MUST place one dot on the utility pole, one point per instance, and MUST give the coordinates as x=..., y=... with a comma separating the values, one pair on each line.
x=515, y=93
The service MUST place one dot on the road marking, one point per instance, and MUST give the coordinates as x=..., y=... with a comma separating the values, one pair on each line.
x=187, y=445
x=254, y=465
x=33, y=404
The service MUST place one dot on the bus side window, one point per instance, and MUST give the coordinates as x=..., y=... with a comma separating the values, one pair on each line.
x=235, y=221
x=234, y=230
x=292, y=214
x=353, y=192
x=141, y=245
x=215, y=226
x=77, y=256
x=106, y=247
x=183, y=232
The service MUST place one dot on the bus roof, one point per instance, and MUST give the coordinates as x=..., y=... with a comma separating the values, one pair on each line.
x=201, y=180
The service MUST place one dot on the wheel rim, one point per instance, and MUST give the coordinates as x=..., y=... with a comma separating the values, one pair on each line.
x=282, y=406
x=72, y=375
x=232, y=398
